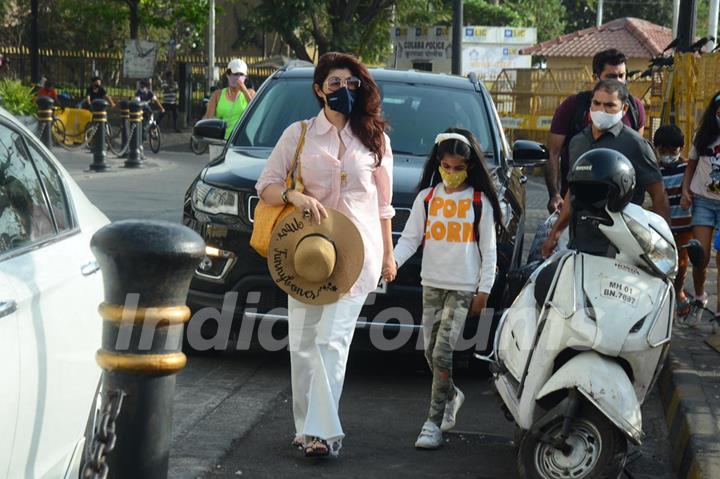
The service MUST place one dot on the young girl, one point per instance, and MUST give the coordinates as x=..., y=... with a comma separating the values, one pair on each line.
x=701, y=189
x=454, y=215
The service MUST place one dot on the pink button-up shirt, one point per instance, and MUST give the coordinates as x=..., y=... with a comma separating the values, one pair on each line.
x=364, y=196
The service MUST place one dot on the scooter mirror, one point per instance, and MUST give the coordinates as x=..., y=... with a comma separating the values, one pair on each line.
x=696, y=253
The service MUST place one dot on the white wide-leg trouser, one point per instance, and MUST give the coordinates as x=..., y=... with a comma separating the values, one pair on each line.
x=319, y=343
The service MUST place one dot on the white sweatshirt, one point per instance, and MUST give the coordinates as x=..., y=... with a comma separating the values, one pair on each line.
x=452, y=258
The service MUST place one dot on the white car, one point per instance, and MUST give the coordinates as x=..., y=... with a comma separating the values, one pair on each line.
x=50, y=288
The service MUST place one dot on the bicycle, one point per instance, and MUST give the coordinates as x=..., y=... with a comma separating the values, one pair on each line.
x=113, y=138
x=151, y=129
x=57, y=128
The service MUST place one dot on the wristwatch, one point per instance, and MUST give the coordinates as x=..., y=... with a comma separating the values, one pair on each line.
x=284, y=196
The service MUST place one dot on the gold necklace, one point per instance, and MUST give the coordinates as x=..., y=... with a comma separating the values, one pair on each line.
x=341, y=156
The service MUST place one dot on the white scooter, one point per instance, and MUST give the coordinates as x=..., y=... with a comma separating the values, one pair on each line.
x=582, y=345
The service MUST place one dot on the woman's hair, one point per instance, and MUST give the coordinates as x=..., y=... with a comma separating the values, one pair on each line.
x=366, y=120
x=478, y=176
x=709, y=129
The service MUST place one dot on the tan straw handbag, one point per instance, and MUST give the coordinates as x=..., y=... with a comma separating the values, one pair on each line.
x=267, y=216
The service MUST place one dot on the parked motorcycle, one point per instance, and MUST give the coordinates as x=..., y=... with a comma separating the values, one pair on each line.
x=584, y=342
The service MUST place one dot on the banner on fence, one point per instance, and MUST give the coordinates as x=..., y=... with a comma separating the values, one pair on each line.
x=139, y=59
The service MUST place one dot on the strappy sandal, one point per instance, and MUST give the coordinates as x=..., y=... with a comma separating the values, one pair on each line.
x=297, y=443
x=317, y=448
x=683, y=307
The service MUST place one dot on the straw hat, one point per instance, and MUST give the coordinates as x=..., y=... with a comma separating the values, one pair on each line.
x=315, y=264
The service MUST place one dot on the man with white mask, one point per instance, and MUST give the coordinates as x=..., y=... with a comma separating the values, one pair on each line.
x=608, y=106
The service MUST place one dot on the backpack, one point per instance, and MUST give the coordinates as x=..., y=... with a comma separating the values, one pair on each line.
x=582, y=107
x=477, y=211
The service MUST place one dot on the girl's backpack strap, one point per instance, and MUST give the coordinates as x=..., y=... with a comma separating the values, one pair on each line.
x=426, y=202
x=477, y=212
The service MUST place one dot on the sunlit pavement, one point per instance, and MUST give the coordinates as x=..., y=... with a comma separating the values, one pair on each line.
x=233, y=413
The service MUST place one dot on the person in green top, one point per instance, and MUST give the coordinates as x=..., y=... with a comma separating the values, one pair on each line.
x=229, y=103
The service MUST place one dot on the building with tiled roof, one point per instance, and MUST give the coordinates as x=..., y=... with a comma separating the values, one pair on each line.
x=639, y=39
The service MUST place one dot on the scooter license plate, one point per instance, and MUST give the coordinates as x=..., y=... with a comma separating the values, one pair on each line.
x=620, y=291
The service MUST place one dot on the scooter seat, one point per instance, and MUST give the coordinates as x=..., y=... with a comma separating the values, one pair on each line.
x=543, y=282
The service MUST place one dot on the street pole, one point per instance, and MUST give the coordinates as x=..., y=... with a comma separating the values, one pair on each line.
x=34, y=43
x=676, y=14
x=457, y=36
x=599, y=19
x=686, y=25
x=713, y=24
x=211, y=45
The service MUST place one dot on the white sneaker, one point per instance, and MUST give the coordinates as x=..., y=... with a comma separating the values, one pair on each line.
x=430, y=437
x=451, y=410
x=696, y=310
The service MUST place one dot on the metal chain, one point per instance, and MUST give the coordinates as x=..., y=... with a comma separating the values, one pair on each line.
x=42, y=129
x=104, y=437
x=88, y=141
x=125, y=148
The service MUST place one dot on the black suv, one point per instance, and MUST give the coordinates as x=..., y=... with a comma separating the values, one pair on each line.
x=220, y=202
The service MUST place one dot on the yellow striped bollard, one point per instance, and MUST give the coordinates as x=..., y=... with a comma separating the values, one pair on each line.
x=99, y=140
x=135, y=137
x=45, y=118
x=146, y=268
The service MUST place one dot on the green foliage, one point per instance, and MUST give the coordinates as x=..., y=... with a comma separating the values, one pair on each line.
x=548, y=16
x=424, y=13
x=359, y=27
x=103, y=25
x=17, y=98
x=703, y=13
x=580, y=14
x=177, y=19
x=583, y=13
x=480, y=12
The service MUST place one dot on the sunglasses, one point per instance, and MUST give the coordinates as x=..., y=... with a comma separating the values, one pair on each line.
x=335, y=83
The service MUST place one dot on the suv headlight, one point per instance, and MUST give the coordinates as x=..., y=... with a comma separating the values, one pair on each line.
x=214, y=200
x=659, y=253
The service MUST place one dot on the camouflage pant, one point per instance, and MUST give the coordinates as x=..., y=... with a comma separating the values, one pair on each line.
x=444, y=314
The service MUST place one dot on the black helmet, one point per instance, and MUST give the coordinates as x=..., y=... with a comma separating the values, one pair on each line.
x=603, y=176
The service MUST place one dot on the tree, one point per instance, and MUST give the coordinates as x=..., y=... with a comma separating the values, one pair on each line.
x=361, y=27
x=547, y=15
x=103, y=25
x=655, y=11
x=481, y=12
x=165, y=14
x=583, y=13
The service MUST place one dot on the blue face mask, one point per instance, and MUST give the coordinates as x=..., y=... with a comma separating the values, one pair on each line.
x=341, y=101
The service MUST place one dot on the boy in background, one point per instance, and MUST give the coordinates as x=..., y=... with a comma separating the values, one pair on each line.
x=669, y=142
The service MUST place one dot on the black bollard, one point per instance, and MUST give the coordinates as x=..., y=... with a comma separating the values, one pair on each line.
x=45, y=118
x=134, y=157
x=125, y=124
x=146, y=268
x=99, y=142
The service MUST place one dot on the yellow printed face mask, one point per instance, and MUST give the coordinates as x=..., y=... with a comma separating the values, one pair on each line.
x=453, y=180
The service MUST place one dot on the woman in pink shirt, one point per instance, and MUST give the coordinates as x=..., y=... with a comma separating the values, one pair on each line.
x=346, y=165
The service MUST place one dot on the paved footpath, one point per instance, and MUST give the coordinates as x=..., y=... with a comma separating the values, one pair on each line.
x=232, y=412
x=690, y=392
